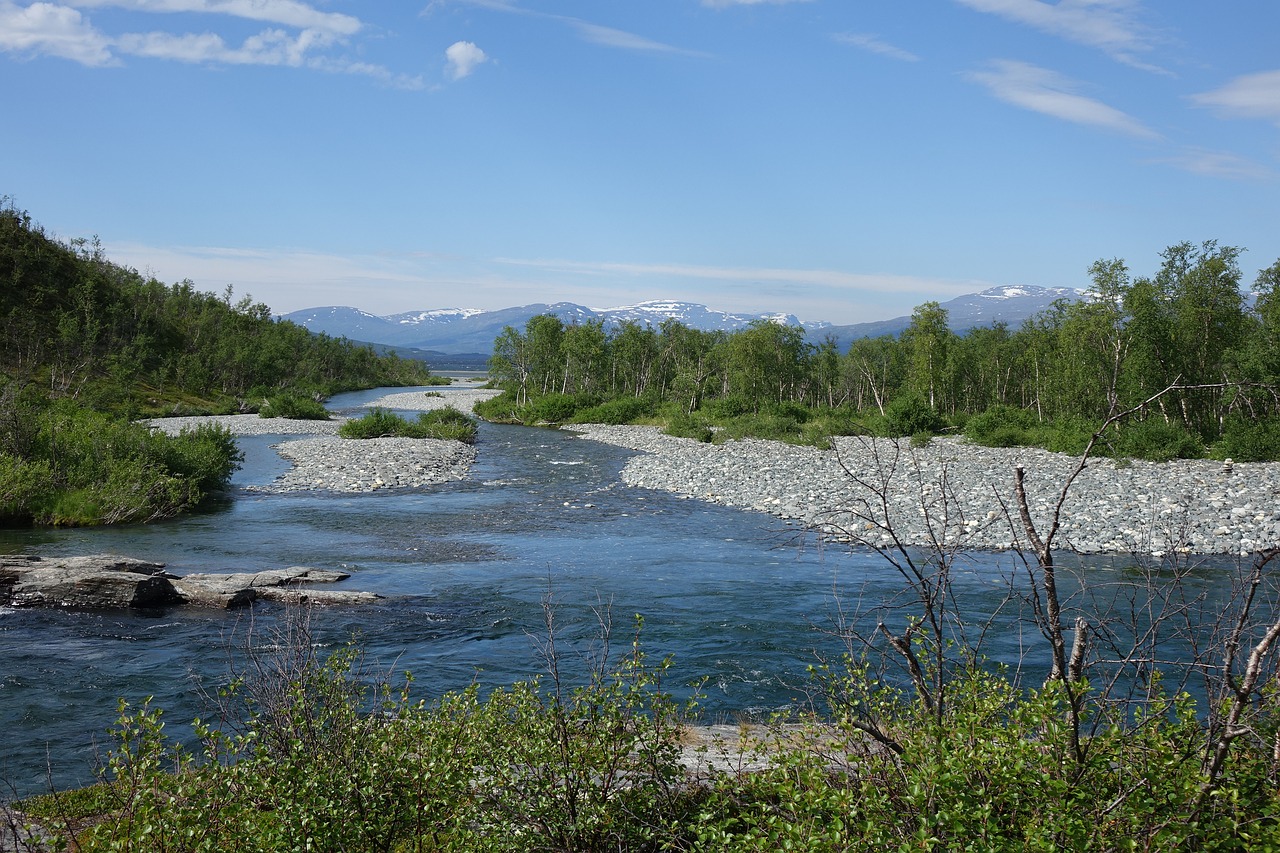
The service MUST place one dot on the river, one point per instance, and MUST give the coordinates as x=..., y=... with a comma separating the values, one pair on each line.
x=740, y=599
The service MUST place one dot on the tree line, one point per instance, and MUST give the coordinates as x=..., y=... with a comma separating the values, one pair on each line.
x=87, y=346
x=1190, y=327
x=83, y=327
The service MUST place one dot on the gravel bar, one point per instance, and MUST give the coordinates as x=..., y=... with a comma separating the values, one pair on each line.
x=324, y=462
x=956, y=493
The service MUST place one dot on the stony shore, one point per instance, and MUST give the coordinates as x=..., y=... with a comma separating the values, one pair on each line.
x=324, y=462
x=956, y=493
x=948, y=491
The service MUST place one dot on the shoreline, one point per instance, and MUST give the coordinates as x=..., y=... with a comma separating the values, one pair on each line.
x=947, y=493
x=958, y=495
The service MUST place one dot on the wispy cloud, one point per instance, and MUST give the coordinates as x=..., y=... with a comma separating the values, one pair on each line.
x=752, y=276
x=290, y=13
x=269, y=47
x=1041, y=90
x=873, y=44
x=1218, y=164
x=46, y=29
x=1112, y=26
x=462, y=57
x=586, y=30
x=1250, y=96
x=303, y=38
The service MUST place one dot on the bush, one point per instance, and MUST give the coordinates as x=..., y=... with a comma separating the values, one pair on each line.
x=551, y=408
x=82, y=467
x=1156, y=440
x=295, y=407
x=687, y=426
x=1248, y=440
x=724, y=408
x=910, y=414
x=500, y=409
x=447, y=424
x=1002, y=426
x=622, y=410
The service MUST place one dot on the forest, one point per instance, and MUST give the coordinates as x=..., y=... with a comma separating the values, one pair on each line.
x=87, y=347
x=1195, y=356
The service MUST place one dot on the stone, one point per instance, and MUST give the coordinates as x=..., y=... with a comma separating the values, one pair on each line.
x=108, y=581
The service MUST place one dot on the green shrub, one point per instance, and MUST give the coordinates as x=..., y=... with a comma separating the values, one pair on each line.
x=909, y=414
x=1067, y=435
x=622, y=410
x=1248, y=440
x=1002, y=426
x=501, y=409
x=551, y=408
x=295, y=407
x=447, y=424
x=1156, y=440
x=724, y=408
x=83, y=467
x=688, y=426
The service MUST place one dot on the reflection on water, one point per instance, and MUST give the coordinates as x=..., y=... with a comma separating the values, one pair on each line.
x=465, y=569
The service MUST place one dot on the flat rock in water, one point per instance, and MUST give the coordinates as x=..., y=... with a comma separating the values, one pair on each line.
x=108, y=581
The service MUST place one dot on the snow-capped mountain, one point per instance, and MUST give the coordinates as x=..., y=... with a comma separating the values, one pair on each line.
x=471, y=330
x=467, y=330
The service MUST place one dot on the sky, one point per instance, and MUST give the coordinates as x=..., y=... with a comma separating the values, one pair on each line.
x=836, y=160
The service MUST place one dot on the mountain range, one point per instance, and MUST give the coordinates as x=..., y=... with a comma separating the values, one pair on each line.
x=458, y=331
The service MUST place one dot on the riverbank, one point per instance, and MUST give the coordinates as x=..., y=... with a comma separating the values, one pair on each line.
x=321, y=461
x=957, y=493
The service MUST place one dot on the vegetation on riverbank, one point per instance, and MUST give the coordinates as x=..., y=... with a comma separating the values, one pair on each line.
x=88, y=346
x=307, y=752
x=447, y=424
x=1050, y=383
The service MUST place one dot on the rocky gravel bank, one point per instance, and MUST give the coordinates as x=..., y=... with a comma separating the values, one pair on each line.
x=954, y=492
x=324, y=462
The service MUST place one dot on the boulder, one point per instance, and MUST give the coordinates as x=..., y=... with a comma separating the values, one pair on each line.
x=109, y=581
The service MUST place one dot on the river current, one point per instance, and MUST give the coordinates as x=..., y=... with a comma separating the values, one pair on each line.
x=740, y=599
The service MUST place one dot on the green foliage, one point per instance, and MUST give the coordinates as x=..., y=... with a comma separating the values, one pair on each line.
x=911, y=414
x=681, y=425
x=503, y=409
x=322, y=754
x=620, y=410
x=89, y=329
x=1002, y=426
x=294, y=406
x=447, y=423
x=1248, y=440
x=1157, y=440
x=75, y=466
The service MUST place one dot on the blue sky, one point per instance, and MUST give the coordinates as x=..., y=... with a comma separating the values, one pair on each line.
x=838, y=160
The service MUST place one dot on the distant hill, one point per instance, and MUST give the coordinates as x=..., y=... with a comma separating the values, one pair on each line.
x=1012, y=305
x=470, y=331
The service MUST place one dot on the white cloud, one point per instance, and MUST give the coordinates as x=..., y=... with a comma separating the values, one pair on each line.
x=1250, y=96
x=1219, y=164
x=1111, y=26
x=462, y=58
x=52, y=30
x=287, y=12
x=593, y=33
x=873, y=44
x=1041, y=90
x=269, y=47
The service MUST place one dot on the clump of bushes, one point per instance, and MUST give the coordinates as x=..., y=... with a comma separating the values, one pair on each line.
x=294, y=407
x=1249, y=440
x=447, y=423
x=1003, y=426
x=64, y=465
x=910, y=414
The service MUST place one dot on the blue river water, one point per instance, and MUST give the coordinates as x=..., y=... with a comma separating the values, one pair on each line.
x=739, y=599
